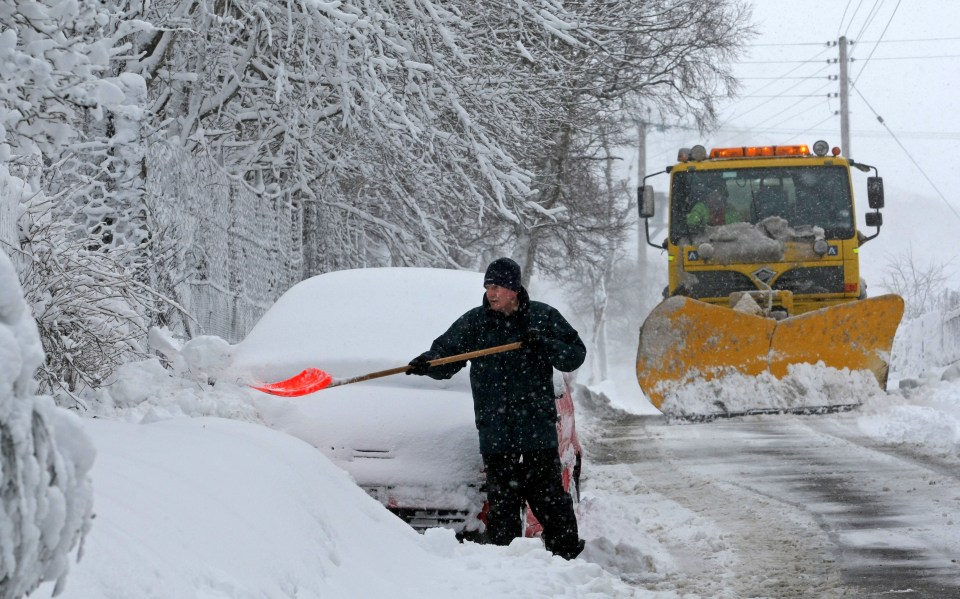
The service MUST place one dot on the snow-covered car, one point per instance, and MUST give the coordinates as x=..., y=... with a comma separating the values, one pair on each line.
x=409, y=441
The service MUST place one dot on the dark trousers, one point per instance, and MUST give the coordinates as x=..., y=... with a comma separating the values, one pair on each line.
x=534, y=477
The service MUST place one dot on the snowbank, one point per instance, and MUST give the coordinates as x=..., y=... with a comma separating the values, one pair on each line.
x=204, y=506
x=192, y=507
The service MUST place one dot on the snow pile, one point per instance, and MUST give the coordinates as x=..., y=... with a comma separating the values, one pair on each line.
x=738, y=242
x=194, y=384
x=45, y=507
x=212, y=507
x=599, y=400
x=778, y=228
x=409, y=438
x=924, y=416
x=805, y=386
x=627, y=526
x=764, y=242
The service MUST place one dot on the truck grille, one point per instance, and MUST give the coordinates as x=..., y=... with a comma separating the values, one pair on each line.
x=801, y=281
x=821, y=279
x=717, y=283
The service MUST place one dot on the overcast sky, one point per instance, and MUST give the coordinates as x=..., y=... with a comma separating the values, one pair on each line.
x=911, y=79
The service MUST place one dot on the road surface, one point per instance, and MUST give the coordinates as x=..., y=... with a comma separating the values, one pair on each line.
x=802, y=506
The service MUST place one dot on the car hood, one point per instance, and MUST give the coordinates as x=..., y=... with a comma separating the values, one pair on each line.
x=387, y=435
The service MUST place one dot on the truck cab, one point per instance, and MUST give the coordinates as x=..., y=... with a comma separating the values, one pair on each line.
x=776, y=222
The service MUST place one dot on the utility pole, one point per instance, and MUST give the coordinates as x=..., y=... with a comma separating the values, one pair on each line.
x=844, y=100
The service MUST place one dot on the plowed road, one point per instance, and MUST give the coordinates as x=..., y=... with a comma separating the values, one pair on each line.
x=804, y=506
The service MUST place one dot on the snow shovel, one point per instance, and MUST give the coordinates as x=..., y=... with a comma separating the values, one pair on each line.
x=314, y=379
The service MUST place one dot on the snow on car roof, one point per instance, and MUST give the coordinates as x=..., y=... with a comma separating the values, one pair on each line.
x=352, y=322
x=359, y=321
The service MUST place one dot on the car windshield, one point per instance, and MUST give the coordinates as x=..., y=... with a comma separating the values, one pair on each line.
x=802, y=195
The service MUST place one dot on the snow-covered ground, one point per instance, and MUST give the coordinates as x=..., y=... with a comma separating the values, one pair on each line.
x=195, y=497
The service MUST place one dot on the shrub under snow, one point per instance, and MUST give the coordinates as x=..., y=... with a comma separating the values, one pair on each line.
x=46, y=495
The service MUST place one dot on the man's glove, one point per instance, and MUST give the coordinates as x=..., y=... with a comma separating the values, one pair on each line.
x=532, y=339
x=419, y=365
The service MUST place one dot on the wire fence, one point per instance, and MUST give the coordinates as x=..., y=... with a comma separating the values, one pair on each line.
x=237, y=250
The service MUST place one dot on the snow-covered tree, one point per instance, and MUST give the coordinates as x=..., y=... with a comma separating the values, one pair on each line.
x=92, y=312
x=60, y=109
x=45, y=458
x=596, y=63
x=923, y=286
x=364, y=112
x=70, y=130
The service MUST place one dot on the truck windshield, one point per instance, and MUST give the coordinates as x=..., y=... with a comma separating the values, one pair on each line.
x=802, y=195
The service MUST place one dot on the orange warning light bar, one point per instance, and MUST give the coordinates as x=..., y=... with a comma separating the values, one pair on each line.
x=799, y=150
x=760, y=151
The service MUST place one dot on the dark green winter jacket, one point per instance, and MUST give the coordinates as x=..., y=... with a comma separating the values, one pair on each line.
x=513, y=395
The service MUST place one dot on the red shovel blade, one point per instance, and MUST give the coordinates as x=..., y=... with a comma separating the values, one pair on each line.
x=308, y=381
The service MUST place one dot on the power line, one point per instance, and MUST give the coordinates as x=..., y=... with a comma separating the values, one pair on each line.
x=767, y=85
x=780, y=61
x=809, y=129
x=731, y=131
x=741, y=114
x=846, y=32
x=795, y=115
x=859, y=133
x=907, y=152
x=916, y=57
x=783, y=44
x=797, y=109
x=827, y=95
x=833, y=60
x=945, y=135
x=783, y=78
x=859, y=41
x=874, y=11
x=913, y=41
x=882, y=33
x=758, y=129
x=842, y=18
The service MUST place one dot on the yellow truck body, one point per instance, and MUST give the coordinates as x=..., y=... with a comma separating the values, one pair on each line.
x=783, y=232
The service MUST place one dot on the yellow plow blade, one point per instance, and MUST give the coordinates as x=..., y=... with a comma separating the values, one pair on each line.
x=685, y=340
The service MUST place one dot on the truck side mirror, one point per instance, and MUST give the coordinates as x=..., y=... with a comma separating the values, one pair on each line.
x=874, y=219
x=875, y=192
x=645, y=201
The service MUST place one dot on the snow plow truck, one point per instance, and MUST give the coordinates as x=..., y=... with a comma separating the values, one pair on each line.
x=763, y=276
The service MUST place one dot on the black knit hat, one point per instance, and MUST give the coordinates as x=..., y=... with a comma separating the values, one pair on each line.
x=503, y=272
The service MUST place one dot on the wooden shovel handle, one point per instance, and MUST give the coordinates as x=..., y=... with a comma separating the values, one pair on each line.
x=437, y=362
